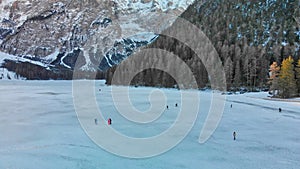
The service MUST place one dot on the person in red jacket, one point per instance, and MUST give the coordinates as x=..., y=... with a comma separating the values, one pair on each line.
x=109, y=121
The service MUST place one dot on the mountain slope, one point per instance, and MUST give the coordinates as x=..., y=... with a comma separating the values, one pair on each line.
x=248, y=36
x=95, y=32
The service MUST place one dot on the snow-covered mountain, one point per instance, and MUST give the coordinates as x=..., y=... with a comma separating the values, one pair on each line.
x=99, y=32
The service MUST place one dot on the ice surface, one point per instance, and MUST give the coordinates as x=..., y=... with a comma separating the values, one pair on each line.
x=40, y=130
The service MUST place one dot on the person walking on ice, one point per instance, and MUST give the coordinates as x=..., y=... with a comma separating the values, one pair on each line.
x=234, y=135
x=109, y=121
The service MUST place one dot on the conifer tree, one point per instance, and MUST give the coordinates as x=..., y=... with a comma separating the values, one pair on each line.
x=228, y=67
x=237, y=75
x=287, y=81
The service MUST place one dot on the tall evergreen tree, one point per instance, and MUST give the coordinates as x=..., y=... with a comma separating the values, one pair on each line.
x=237, y=67
x=287, y=81
x=253, y=72
x=228, y=66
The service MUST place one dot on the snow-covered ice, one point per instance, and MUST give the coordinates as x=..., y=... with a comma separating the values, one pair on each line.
x=39, y=129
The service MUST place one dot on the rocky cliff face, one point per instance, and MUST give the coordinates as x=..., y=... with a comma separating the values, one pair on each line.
x=97, y=33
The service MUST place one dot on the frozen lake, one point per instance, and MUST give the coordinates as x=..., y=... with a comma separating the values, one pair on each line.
x=40, y=130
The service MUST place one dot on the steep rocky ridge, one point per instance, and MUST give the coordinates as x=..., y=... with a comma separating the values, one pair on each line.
x=58, y=33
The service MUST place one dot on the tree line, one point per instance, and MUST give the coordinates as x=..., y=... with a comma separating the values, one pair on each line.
x=285, y=79
x=36, y=72
x=248, y=36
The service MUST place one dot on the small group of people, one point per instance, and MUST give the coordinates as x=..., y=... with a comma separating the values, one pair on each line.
x=109, y=121
x=234, y=133
x=176, y=105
